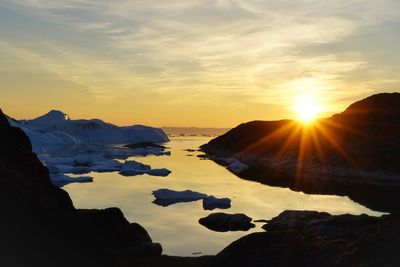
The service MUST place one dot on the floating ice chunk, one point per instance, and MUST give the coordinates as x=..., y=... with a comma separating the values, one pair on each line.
x=211, y=203
x=111, y=166
x=96, y=163
x=181, y=195
x=131, y=168
x=61, y=179
x=81, y=163
x=237, y=166
x=159, y=172
x=70, y=169
x=166, y=197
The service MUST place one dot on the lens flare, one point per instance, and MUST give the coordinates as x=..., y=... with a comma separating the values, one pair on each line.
x=307, y=108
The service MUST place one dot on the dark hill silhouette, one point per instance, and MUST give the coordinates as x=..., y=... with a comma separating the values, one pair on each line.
x=354, y=153
x=39, y=225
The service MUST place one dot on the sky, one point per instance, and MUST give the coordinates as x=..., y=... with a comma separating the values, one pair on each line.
x=197, y=63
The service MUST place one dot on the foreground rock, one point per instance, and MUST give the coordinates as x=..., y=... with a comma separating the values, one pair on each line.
x=309, y=238
x=41, y=227
x=355, y=153
x=223, y=222
x=320, y=223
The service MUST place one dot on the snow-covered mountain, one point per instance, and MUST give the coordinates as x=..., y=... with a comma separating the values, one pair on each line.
x=56, y=127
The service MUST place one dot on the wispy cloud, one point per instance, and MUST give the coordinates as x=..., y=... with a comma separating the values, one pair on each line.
x=209, y=51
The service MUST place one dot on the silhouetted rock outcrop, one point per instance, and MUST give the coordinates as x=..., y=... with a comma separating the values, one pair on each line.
x=39, y=225
x=309, y=238
x=354, y=153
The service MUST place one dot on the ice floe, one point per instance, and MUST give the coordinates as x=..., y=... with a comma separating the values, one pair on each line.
x=211, y=203
x=131, y=168
x=62, y=179
x=237, y=166
x=86, y=163
x=166, y=197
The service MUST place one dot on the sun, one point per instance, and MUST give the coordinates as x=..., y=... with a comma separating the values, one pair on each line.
x=307, y=108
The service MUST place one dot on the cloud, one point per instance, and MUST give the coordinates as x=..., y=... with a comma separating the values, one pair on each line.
x=209, y=51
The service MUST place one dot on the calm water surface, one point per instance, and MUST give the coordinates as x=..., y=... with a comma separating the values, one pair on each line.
x=176, y=227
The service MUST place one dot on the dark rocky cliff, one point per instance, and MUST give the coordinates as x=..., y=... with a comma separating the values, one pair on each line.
x=366, y=135
x=39, y=225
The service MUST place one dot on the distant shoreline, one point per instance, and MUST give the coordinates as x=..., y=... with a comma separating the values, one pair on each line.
x=195, y=131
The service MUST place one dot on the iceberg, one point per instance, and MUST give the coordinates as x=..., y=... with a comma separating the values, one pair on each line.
x=69, y=146
x=166, y=197
x=237, y=166
x=56, y=127
x=159, y=172
x=211, y=203
x=81, y=163
x=167, y=194
x=132, y=168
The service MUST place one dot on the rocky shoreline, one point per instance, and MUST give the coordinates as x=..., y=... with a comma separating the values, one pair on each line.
x=377, y=190
x=310, y=238
x=354, y=153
